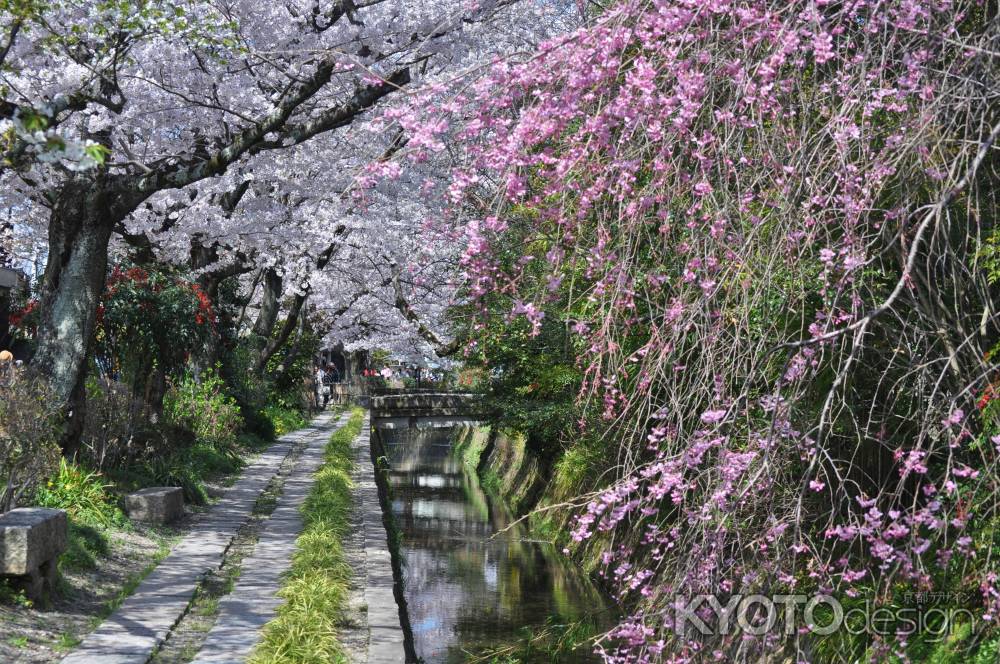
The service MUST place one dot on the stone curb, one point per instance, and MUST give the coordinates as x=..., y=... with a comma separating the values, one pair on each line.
x=385, y=633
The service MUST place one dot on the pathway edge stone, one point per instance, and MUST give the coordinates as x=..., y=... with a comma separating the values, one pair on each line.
x=385, y=632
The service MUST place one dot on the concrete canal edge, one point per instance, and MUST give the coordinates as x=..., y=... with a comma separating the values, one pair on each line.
x=388, y=642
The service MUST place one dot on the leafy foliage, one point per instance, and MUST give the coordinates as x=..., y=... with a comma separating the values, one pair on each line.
x=92, y=510
x=29, y=431
x=83, y=494
x=202, y=405
x=149, y=318
x=284, y=420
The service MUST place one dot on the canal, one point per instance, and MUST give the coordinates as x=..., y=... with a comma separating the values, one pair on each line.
x=467, y=592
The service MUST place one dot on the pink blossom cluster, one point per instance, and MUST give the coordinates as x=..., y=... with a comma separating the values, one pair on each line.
x=720, y=180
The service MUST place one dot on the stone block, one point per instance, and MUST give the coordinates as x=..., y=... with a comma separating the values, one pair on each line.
x=31, y=539
x=158, y=504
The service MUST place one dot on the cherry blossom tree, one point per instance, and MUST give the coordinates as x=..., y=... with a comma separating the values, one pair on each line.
x=186, y=102
x=772, y=222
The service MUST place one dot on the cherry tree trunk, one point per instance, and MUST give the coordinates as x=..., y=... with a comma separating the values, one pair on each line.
x=269, y=305
x=156, y=392
x=275, y=344
x=79, y=232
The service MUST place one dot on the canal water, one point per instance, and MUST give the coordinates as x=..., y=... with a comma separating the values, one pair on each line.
x=465, y=593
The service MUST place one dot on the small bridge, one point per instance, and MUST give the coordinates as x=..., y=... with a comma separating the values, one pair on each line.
x=432, y=409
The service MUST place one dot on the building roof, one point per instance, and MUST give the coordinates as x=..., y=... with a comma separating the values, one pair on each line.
x=8, y=278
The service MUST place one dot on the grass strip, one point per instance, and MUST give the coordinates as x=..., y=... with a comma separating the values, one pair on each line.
x=318, y=584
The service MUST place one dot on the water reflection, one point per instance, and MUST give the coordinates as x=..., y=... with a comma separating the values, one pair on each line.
x=463, y=591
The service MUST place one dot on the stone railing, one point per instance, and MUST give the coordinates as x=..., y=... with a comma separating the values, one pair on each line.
x=423, y=404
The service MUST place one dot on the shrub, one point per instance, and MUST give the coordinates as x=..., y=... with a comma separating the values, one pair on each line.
x=287, y=372
x=175, y=470
x=28, y=433
x=253, y=442
x=91, y=507
x=202, y=405
x=188, y=467
x=112, y=420
x=248, y=389
x=150, y=321
x=212, y=459
x=83, y=494
x=284, y=419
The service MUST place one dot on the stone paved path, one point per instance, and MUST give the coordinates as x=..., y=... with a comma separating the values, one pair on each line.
x=372, y=634
x=143, y=621
x=254, y=601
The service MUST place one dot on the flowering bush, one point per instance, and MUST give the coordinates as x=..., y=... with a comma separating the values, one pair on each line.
x=150, y=320
x=25, y=321
x=767, y=214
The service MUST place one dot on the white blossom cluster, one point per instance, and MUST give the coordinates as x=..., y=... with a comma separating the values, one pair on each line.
x=159, y=84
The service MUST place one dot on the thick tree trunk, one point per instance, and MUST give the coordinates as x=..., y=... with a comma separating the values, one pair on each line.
x=269, y=304
x=79, y=231
x=274, y=345
x=201, y=257
x=5, y=338
x=156, y=391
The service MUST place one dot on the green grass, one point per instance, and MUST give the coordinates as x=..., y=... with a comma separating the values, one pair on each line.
x=84, y=494
x=12, y=597
x=316, y=588
x=84, y=546
x=491, y=482
x=66, y=642
x=92, y=511
x=470, y=445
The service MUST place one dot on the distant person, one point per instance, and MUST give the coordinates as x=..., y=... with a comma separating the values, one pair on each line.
x=320, y=388
x=328, y=380
x=6, y=366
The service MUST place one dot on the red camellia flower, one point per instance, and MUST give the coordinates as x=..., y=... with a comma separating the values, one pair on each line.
x=18, y=317
x=989, y=394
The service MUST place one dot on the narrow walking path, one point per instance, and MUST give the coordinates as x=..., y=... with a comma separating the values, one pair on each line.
x=370, y=631
x=253, y=601
x=385, y=633
x=132, y=633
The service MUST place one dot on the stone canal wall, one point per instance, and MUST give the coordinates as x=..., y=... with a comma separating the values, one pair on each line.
x=502, y=460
